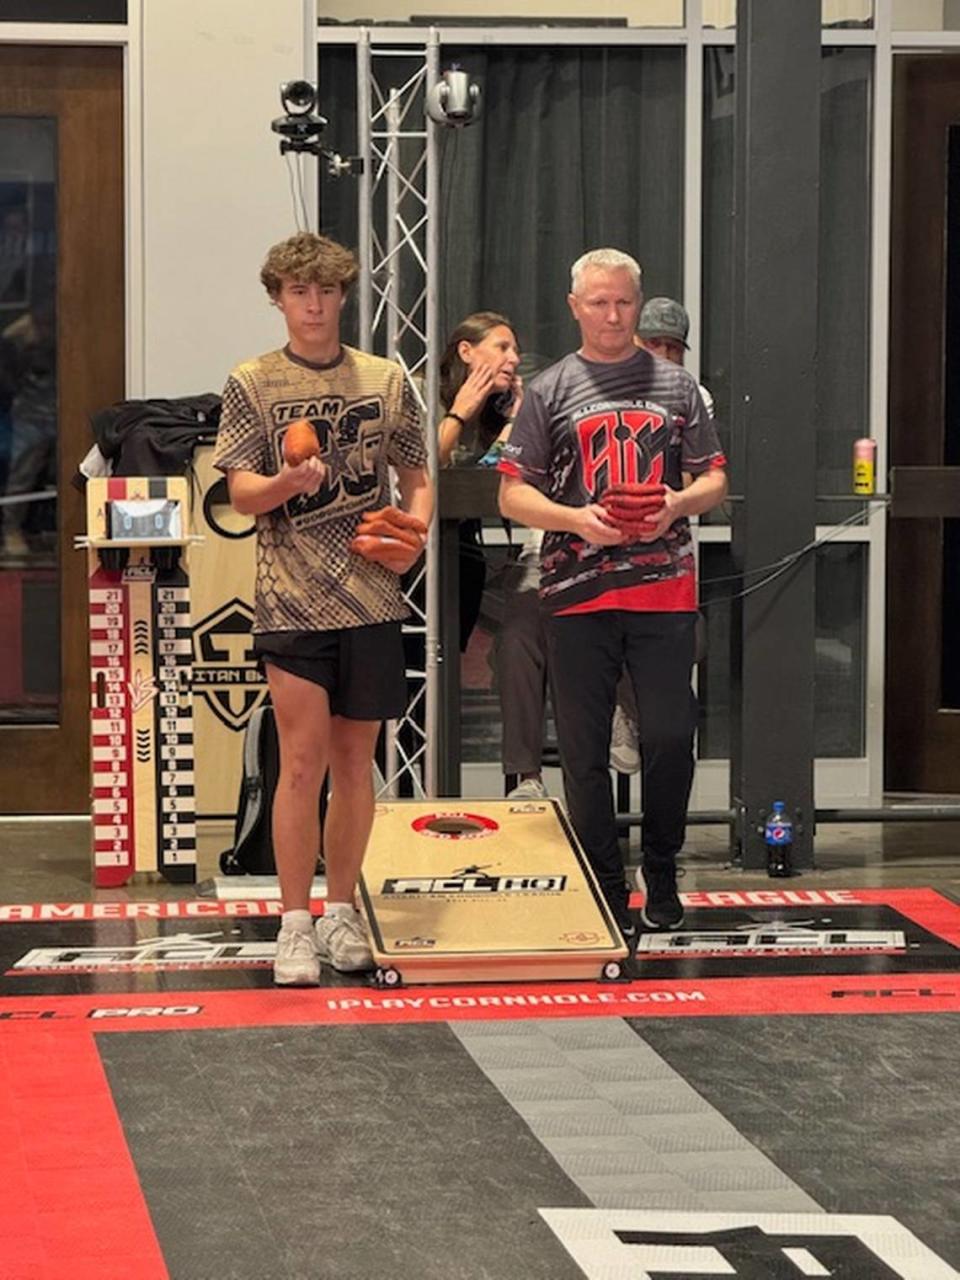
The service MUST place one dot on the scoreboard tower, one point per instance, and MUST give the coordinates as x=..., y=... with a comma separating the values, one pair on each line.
x=141, y=709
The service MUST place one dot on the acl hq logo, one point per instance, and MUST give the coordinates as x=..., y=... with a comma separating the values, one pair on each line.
x=225, y=673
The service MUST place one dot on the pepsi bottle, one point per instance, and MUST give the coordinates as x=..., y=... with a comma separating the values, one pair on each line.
x=778, y=835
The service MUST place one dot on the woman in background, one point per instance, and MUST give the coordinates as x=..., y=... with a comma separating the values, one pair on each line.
x=481, y=393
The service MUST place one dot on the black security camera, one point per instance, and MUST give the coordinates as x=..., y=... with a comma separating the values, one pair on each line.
x=301, y=126
x=298, y=97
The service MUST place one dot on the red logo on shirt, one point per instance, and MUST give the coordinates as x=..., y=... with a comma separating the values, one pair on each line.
x=622, y=446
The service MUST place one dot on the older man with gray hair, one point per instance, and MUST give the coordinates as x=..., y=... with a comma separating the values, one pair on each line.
x=597, y=458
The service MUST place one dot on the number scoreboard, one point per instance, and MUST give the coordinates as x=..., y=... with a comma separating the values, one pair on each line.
x=141, y=710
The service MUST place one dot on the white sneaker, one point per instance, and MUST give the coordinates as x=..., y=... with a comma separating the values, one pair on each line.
x=342, y=942
x=624, y=752
x=528, y=789
x=295, y=963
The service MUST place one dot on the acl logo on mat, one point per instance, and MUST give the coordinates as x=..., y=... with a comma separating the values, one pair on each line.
x=661, y=1245
x=179, y=951
x=775, y=939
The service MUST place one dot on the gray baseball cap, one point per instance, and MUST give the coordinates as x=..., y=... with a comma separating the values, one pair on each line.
x=664, y=318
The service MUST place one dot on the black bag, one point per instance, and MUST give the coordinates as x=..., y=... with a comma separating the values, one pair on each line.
x=252, y=852
x=155, y=437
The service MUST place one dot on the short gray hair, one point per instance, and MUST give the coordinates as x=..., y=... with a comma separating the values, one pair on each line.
x=605, y=260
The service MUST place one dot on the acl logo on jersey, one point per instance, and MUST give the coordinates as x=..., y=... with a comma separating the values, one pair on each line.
x=622, y=446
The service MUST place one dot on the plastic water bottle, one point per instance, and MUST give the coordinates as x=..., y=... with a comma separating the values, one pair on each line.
x=778, y=835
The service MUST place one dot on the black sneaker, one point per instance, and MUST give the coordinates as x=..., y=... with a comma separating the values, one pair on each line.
x=662, y=908
x=625, y=920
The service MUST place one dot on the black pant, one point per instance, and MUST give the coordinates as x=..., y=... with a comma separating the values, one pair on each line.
x=473, y=577
x=587, y=652
x=521, y=657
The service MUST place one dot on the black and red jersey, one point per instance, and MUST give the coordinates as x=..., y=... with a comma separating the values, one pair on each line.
x=585, y=425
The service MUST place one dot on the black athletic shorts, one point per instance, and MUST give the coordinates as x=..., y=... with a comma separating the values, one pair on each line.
x=362, y=668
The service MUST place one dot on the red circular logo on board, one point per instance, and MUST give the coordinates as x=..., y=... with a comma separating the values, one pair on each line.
x=455, y=826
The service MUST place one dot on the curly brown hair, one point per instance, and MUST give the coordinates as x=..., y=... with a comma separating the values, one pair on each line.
x=308, y=259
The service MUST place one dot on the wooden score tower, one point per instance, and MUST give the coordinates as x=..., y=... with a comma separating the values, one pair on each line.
x=143, y=798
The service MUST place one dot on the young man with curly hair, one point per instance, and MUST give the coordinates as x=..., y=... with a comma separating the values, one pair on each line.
x=328, y=605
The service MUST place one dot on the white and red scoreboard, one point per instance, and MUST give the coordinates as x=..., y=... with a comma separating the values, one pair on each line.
x=141, y=710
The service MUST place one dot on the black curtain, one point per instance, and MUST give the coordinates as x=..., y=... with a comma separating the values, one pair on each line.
x=844, y=246
x=574, y=149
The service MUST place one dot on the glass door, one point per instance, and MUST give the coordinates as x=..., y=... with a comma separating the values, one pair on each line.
x=61, y=359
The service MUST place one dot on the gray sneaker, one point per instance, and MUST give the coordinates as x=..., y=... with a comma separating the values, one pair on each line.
x=528, y=789
x=624, y=752
x=342, y=942
x=295, y=963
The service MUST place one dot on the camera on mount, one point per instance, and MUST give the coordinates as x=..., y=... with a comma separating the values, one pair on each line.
x=299, y=97
x=300, y=127
x=454, y=100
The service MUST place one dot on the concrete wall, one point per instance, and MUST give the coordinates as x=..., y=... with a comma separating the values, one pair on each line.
x=215, y=189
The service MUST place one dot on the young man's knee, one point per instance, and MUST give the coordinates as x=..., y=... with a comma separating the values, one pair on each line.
x=352, y=770
x=301, y=770
x=353, y=787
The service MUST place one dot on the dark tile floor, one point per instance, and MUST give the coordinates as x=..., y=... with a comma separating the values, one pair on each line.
x=43, y=861
x=436, y=1177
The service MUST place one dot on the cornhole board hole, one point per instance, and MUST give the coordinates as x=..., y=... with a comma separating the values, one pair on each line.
x=483, y=891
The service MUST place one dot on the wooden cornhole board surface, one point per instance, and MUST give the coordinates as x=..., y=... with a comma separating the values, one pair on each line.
x=483, y=890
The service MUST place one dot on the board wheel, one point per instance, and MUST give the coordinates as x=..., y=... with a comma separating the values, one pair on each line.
x=388, y=977
x=612, y=971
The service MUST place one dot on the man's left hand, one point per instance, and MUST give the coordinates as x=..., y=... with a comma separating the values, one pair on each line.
x=657, y=524
x=388, y=552
x=390, y=537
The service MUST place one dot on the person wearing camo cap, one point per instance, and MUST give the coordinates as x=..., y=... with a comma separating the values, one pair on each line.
x=663, y=329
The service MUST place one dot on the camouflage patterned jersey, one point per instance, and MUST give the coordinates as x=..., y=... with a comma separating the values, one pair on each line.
x=366, y=419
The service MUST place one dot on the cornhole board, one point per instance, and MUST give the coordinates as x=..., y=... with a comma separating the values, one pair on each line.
x=483, y=891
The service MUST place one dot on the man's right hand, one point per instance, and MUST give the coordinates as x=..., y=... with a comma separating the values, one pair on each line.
x=593, y=525
x=307, y=478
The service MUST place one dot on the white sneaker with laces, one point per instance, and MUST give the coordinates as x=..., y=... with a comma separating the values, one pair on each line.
x=295, y=963
x=624, y=752
x=528, y=789
x=342, y=942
